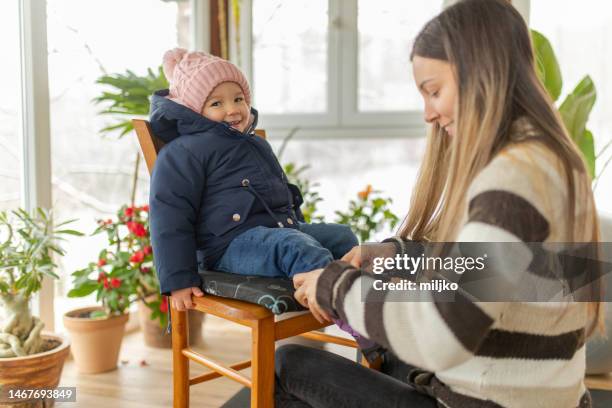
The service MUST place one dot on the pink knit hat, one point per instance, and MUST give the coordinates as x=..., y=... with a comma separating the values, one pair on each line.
x=194, y=75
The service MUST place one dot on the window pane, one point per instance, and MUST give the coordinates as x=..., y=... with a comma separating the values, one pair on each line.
x=92, y=174
x=581, y=35
x=290, y=55
x=386, y=32
x=338, y=178
x=10, y=144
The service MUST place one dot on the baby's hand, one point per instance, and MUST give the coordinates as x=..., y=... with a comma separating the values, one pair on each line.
x=181, y=298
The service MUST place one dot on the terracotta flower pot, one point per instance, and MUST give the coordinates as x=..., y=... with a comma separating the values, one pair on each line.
x=156, y=336
x=41, y=370
x=95, y=342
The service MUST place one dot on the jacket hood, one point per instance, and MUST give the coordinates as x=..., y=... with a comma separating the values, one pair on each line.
x=169, y=119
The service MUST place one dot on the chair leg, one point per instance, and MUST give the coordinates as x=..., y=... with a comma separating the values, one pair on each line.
x=180, y=363
x=262, y=356
x=374, y=365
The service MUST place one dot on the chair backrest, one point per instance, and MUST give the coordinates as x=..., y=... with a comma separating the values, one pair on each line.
x=151, y=144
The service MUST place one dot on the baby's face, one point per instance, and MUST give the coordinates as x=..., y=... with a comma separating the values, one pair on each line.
x=226, y=103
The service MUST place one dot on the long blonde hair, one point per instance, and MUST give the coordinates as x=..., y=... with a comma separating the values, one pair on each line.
x=488, y=45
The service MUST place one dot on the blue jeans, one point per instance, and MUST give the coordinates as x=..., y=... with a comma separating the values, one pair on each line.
x=284, y=252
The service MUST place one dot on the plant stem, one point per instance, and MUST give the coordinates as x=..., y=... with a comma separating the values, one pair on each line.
x=603, y=149
x=135, y=179
x=601, y=172
x=118, y=241
x=11, y=277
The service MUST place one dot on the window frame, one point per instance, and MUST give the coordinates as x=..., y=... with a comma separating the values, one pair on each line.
x=342, y=117
x=35, y=133
x=243, y=57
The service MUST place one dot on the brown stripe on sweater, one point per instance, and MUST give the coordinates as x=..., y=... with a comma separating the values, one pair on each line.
x=510, y=212
x=426, y=382
x=374, y=319
x=326, y=282
x=576, y=267
x=505, y=344
x=465, y=319
x=449, y=398
x=351, y=275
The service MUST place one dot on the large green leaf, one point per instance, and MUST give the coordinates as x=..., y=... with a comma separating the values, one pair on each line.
x=587, y=147
x=84, y=289
x=547, y=65
x=130, y=97
x=576, y=108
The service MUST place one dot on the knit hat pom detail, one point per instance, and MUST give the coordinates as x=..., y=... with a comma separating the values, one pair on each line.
x=170, y=60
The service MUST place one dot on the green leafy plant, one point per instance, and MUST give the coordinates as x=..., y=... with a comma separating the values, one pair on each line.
x=130, y=96
x=295, y=175
x=368, y=214
x=576, y=107
x=27, y=244
x=124, y=271
x=310, y=195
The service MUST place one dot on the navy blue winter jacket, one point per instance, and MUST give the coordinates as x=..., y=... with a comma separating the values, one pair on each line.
x=209, y=184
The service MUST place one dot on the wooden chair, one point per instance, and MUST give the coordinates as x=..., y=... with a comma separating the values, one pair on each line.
x=264, y=330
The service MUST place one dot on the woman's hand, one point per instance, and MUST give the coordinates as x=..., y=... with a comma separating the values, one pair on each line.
x=363, y=256
x=181, y=299
x=306, y=293
x=353, y=256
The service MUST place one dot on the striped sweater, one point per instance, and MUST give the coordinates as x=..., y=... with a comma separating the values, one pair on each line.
x=477, y=354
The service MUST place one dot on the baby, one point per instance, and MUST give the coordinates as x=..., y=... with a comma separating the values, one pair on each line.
x=219, y=191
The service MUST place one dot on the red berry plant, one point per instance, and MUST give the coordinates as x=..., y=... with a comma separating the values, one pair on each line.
x=124, y=271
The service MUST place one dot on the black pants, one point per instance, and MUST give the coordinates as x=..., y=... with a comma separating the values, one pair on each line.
x=311, y=378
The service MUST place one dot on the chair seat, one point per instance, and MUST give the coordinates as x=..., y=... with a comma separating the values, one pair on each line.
x=276, y=294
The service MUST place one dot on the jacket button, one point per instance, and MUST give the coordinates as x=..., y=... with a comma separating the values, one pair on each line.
x=245, y=182
x=236, y=217
x=289, y=221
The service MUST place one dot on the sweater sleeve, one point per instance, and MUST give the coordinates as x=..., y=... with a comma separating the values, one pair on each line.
x=177, y=185
x=422, y=327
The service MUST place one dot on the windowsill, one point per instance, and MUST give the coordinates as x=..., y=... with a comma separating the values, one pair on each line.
x=362, y=132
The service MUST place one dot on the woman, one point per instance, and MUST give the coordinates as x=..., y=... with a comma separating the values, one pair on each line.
x=499, y=167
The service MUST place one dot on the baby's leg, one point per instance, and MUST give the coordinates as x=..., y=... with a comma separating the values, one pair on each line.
x=273, y=252
x=338, y=238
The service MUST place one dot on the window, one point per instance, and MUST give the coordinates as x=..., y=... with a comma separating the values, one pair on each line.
x=581, y=35
x=340, y=72
x=10, y=105
x=343, y=167
x=290, y=56
x=92, y=174
x=335, y=64
x=385, y=31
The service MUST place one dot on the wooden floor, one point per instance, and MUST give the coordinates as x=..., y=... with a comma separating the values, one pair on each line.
x=144, y=376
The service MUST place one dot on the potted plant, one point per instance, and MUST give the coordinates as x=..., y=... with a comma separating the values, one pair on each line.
x=124, y=273
x=29, y=357
x=368, y=214
x=152, y=306
x=97, y=331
